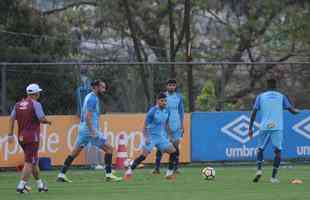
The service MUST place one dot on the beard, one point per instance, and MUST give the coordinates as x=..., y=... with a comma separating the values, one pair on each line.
x=101, y=95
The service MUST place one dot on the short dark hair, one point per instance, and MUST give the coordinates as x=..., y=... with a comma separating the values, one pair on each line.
x=161, y=95
x=96, y=83
x=272, y=83
x=171, y=81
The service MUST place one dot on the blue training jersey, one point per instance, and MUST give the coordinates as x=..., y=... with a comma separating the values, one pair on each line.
x=156, y=121
x=271, y=104
x=176, y=109
x=91, y=104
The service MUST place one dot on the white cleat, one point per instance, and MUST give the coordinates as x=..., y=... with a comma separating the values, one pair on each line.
x=274, y=180
x=128, y=174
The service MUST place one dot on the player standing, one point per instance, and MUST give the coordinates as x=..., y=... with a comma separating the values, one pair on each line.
x=176, y=109
x=89, y=133
x=29, y=114
x=155, y=134
x=271, y=104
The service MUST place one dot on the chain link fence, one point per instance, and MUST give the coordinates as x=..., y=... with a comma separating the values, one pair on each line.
x=216, y=86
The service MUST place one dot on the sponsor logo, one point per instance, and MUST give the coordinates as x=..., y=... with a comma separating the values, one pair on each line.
x=238, y=129
x=303, y=128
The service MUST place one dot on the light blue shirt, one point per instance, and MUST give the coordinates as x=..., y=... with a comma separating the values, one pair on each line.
x=156, y=121
x=91, y=104
x=176, y=109
x=271, y=104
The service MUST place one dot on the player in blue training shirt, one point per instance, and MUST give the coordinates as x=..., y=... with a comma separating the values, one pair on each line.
x=89, y=133
x=176, y=108
x=156, y=130
x=271, y=104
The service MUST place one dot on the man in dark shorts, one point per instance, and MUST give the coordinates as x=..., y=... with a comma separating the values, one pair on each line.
x=29, y=114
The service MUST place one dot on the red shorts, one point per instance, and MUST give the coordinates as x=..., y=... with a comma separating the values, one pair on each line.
x=31, y=152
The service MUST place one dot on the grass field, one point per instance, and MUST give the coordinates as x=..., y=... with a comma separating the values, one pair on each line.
x=233, y=183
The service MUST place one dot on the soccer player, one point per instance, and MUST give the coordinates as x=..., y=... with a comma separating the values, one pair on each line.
x=29, y=114
x=155, y=134
x=89, y=133
x=271, y=104
x=176, y=109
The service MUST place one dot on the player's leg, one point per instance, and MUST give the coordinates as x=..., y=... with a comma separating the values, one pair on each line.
x=167, y=147
x=159, y=156
x=100, y=142
x=176, y=145
x=22, y=187
x=146, y=150
x=82, y=141
x=264, y=139
x=41, y=185
x=276, y=139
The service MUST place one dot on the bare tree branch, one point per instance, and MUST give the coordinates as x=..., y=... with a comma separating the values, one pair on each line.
x=71, y=5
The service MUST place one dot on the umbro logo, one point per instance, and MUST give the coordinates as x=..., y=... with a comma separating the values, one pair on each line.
x=238, y=129
x=303, y=128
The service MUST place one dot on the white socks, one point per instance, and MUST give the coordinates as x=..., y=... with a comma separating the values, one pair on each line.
x=39, y=183
x=22, y=184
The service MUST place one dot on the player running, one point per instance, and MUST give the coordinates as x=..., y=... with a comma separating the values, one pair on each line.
x=29, y=114
x=176, y=109
x=155, y=133
x=89, y=133
x=271, y=104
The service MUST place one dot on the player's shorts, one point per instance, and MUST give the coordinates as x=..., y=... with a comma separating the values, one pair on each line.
x=177, y=135
x=276, y=138
x=84, y=139
x=161, y=143
x=30, y=152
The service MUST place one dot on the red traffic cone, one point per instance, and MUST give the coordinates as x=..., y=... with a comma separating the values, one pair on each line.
x=122, y=153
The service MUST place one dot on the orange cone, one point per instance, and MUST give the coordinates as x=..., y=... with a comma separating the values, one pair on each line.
x=122, y=153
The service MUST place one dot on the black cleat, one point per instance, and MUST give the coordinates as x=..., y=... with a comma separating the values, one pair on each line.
x=257, y=176
x=44, y=188
x=26, y=189
x=256, y=179
x=156, y=172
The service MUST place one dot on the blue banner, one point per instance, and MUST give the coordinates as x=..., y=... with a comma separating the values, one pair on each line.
x=220, y=136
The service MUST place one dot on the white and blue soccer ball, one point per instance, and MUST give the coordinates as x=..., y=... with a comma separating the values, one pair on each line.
x=128, y=162
x=208, y=173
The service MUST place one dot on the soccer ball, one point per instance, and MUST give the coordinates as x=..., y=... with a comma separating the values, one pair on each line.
x=208, y=173
x=128, y=162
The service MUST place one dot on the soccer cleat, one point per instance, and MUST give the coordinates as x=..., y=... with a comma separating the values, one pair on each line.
x=63, y=178
x=156, y=172
x=111, y=177
x=128, y=175
x=177, y=171
x=170, y=175
x=25, y=189
x=43, y=188
x=258, y=175
x=274, y=180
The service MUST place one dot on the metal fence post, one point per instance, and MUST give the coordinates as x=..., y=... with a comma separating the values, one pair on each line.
x=3, y=90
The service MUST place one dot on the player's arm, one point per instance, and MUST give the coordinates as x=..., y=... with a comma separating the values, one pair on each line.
x=11, y=125
x=181, y=112
x=289, y=106
x=40, y=114
x=148, y=120
x=256, y=107
x=90, y=109
x=168, y=128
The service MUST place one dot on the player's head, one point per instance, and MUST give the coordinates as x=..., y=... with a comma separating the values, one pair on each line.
x=171, y=85
x=99, y=87
x=161, y=100
x=271, y=84
x=33, y=90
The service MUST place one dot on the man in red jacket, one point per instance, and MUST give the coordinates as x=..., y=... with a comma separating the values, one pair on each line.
x=29, y=114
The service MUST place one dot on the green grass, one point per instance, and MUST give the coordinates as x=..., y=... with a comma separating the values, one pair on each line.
x=233, y=183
